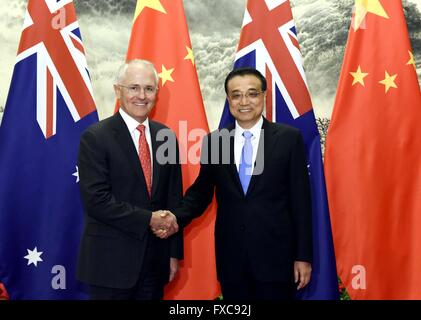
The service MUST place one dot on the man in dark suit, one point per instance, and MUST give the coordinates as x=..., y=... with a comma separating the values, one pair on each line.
x=124, y=186
x=263, y=233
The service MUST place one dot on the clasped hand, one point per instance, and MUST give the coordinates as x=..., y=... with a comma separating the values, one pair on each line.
x=163, y=223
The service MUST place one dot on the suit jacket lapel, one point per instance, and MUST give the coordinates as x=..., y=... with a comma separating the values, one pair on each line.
x=233, y=167
x=155, y=164
x=264, y=152
x=125, y=142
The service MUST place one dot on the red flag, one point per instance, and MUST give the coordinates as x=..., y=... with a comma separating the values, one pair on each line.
x=373, y=158
x=160, y=35
x=3, y=292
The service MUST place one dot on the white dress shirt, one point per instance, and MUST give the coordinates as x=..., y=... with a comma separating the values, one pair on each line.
x=239, y=141
x=132, y=124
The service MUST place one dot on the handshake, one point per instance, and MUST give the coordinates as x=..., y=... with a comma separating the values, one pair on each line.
x=163, y=223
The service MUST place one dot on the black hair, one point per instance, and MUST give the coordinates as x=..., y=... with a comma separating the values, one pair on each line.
x=243, y=72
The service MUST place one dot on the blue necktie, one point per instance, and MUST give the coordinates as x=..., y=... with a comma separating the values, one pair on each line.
x=245, y=167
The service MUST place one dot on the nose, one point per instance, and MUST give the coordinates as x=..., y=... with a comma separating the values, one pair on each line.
x=141, y=93
x=244, y=99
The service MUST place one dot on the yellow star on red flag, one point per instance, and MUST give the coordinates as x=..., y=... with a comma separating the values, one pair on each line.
x=411, y=59
x=165, y=75
x=389, y=81
x=152, y=4
x=363, y=7
x=189, y=55
x=358, y=76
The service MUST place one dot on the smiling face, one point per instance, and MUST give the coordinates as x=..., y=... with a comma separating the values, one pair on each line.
x=138, y=104
x=246, y=99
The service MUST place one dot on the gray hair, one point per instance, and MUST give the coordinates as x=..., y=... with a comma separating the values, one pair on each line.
x=137, y=62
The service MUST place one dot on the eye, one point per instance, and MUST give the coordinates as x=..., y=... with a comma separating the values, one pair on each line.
x=236, y=96
x=134, y=88
x=149, y=89
x=253, y=94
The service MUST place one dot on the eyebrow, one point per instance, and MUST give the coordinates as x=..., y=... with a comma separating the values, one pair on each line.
x=138, y=85
x=250, y=89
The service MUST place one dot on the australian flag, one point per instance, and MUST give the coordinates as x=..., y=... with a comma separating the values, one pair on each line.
x=268, y=42
x=49, y=104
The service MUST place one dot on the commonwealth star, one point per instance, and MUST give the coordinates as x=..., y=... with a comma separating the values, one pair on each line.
x=33, y=256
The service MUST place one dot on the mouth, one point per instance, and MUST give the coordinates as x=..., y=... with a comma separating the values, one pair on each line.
x=140, y=104
x=245, y=110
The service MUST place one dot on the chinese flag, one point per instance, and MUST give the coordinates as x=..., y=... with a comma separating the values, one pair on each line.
x=160, y=35
x=373, y=158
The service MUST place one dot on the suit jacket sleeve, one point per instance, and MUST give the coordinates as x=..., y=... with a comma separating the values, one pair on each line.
x=300, y=201
x=96, y=190
x=199, y=195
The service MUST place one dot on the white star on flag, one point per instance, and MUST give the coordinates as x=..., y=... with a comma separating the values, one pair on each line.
x=33, y=256
x=76, y=174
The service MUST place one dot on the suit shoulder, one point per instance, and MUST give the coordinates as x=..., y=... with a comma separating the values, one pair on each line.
x=230, y=129
x=225, y=134
x=100, y=126
x=284, y=129
x=157, y=126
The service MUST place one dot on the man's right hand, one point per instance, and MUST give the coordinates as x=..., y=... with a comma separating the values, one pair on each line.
x=163, y=223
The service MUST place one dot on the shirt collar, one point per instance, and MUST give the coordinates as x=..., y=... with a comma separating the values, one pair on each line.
x=131, y=123
x=255, y=130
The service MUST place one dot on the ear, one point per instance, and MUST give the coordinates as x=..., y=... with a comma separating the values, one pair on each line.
x=117, y=91
x=156, y=96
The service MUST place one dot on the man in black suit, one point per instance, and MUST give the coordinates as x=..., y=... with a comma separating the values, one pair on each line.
x=124, y=186
x=263, y=233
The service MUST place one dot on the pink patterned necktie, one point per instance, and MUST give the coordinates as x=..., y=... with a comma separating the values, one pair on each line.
x=145, y=157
